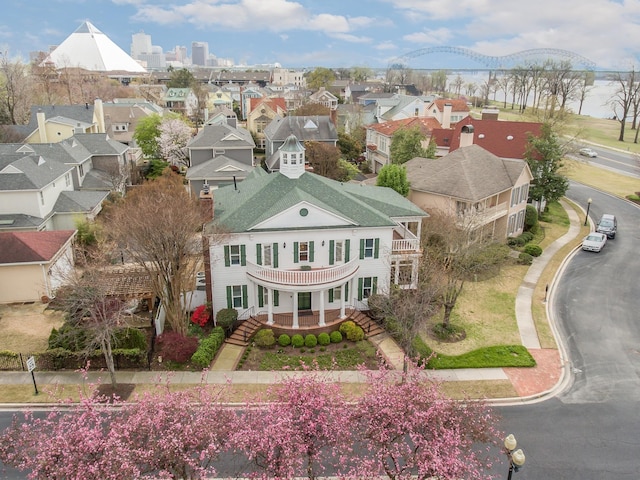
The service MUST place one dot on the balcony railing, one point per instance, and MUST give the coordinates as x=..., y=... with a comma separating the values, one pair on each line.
x=478, y=217
x=298, y=277
x=405, y=245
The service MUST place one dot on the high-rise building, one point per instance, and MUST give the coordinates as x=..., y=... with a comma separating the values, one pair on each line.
x=199, y=53
x=140, y=44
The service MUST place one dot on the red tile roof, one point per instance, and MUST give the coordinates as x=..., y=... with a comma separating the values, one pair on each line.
x=277, y=103
x=425, y=124
x=505, y=139
x=457, y=104
x=24, y=247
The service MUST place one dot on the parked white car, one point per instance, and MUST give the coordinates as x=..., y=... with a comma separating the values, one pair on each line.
x=594, y=242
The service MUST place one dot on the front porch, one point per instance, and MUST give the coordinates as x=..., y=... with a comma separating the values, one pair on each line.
x=307, y=321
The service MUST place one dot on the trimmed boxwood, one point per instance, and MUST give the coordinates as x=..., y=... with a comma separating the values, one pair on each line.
x=284, y=340
x=533, y=250
x=226, y=318
x=208, y=348
x=525, y=259
x=310, y=340
x=264, y=338
x=335, y=336
x=324, y=339
x=297, y=340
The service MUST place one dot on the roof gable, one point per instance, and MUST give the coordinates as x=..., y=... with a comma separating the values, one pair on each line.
x=26, y=247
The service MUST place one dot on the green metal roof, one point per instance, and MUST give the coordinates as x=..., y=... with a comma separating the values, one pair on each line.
x=260, y=197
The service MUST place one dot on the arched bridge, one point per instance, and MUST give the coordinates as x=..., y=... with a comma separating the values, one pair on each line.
x=503, y=62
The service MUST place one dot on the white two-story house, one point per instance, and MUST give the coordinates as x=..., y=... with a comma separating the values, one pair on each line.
x=300, y=250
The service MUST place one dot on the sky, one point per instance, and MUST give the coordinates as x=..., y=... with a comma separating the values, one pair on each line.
x=340, y=33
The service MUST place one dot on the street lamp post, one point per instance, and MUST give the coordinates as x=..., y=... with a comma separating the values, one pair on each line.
x=586, y=217
x=516, y=457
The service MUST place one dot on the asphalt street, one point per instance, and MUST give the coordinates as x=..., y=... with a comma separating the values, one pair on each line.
x=591, y=431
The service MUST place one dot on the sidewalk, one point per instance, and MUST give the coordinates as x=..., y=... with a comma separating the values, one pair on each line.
x=530, y=384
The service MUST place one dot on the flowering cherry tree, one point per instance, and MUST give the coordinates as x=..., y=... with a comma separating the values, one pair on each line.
x=173, y=139
x=161, y=435
x=410, y=430
x=305, y=427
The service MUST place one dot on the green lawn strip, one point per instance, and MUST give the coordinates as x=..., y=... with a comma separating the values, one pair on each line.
x=486, y=357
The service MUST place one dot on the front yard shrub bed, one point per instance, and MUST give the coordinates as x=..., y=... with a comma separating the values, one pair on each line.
x=334, y=357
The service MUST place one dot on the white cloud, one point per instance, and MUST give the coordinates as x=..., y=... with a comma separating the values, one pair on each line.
x=386, y=46
x=440, y=36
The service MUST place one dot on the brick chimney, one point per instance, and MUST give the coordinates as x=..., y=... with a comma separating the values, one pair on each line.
x=206, y=203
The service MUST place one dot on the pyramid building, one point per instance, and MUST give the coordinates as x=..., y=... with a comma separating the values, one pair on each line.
x=90, y=49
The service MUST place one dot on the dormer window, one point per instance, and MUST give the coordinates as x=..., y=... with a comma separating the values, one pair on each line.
x=285, y=158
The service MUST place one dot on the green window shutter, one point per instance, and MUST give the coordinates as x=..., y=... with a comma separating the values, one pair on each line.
x=347, y=250
x=243, y=255
x=346, y=291
x=229, y=299
x=332, y=245
x=361, y=248
x=374, y=285
x=227, y=257
x=331, y=295
x=259, y=254
x=311, y=255
x=260, y=296
x=274, y=253
x=295, y=252
x=376, y=247
x=276, y=298
x=360, y=288
x=245, y=303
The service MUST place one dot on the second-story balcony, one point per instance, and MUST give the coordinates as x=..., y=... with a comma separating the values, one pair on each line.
x=476, y=218
x=304, y=276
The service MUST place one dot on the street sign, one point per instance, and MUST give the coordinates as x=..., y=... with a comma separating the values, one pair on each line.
x=31, y=364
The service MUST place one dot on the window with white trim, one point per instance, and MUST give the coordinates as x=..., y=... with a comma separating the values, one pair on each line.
x=266, y=255
x=512, y=224
x=337, y=253
x=368, y=247
x=234, y=254
x=303, y=251
x=236, y=296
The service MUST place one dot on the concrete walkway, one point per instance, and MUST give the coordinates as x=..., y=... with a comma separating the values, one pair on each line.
x=530, y=383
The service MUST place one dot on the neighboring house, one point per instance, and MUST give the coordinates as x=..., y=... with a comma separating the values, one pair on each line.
x=261, y=112
x=34, y=264
x=486, y=194
x=219, y=98
x=447, y=111
x=310, y=128
x=350, y=116
x=354, y=91
x=324, y=98
x=220, y=115
x=49, y=186
x=373, y=97
x=182, y=101
x=399, y=107
x=380, y=135
x=505, y=139
x=54, y=123
x=247, y=95
x=121, y=117
x=218, y=155
x=315, y=250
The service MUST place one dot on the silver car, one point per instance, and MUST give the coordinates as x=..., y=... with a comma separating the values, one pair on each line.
x=594, y=242
x=588, y=152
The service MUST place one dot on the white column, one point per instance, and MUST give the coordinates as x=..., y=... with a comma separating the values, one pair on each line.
x=322, y=322
x=295, y=310
x=342, y=301
x=269, y=305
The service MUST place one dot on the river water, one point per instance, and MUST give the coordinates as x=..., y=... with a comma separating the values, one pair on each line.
x=596, y=103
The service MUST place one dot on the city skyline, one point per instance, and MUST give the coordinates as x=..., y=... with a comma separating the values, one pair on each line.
x=304, y=33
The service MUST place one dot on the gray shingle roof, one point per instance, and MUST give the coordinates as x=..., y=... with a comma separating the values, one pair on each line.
x=19, y=221
x=79, y=201
x=211, y=169
x=302, y=127
x=78, y=113
x=363, y=206
x=100, y=144
x=469, y=173
x=212, y=135
x=29, y=172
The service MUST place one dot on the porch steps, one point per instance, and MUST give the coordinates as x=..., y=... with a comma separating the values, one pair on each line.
x=371, y=327
x=244, y=332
